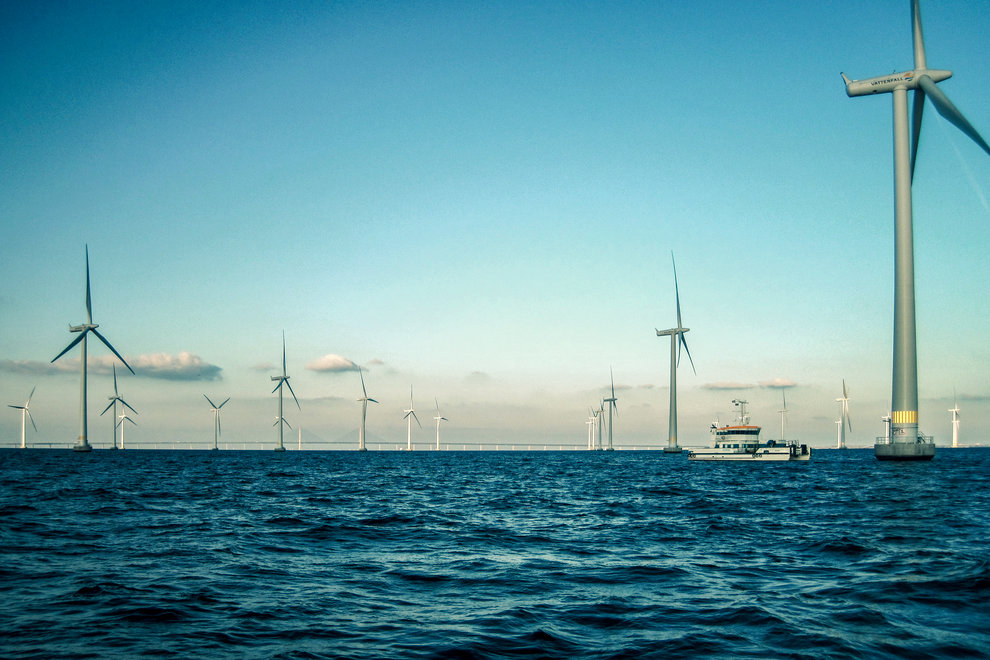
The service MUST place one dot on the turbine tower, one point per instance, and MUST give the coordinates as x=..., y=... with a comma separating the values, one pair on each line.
x=954, y=410
x=280, y=421
x=409, y=416
x=216, y=420
x=783, y=416
x=905, y=441
x=591, y=431
x=596, y=431
x=83, y=330
x=364, y=411
x=113, y=404
x=123, y=417
x=439, y=419
x=611, y=407
x=843, y=420
x=26, y=415
x=676, y=341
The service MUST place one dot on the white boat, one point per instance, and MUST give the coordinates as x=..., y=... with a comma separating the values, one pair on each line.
x=741, y=442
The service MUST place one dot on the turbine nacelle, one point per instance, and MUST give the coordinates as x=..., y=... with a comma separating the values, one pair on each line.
x=887, y=84
x=84, y=327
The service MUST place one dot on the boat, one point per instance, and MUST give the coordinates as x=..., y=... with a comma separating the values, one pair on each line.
x=741, y=442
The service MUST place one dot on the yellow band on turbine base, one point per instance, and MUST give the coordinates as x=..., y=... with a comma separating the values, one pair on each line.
x=905, y=417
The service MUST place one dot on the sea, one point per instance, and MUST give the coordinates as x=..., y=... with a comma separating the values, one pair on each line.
x=486, y=554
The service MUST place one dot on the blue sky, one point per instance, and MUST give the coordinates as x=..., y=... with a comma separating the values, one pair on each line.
x=480, y=200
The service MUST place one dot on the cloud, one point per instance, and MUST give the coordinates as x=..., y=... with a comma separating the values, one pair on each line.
x=728, y=386
x=184, y=366
x=778, y=383
x=332, y=363
x=264, y=366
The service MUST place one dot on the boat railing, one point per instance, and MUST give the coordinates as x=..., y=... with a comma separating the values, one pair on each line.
x=922, y=439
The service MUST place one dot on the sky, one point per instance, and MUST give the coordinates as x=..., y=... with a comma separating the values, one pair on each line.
x=479, y=201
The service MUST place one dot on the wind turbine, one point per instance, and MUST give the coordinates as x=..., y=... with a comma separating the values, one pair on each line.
x=123, y=417
x=84, y=330
x=439, y=419
x=905, y=442
x=954, y=410
x=280, y=421
x=676, y=341
x=26, y=415
x=596, y=429
x=843, y=420
x=611, y=407
x=591, y=431
x=409, y=416
x=216, y=419
x=783, y=416
x=113, y=404
x=364, y=411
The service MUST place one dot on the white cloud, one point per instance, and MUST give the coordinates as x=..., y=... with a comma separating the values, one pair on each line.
x=332, y=363
x=778, y=383
x=728, y=386
x=184, y=366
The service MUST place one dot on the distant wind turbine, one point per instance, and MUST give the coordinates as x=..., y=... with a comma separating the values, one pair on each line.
x=611, y=407
x=591, y=431
x=123, y=417
x=439, y=418
x=954, y=410
x=280, y=421
x=783, y=416
x=905, y=442
x=216, y=419
x=26, y=415
x=409, y=416
x=83, y=330
x=843, y=420
x=113, y=404
x=364, y=411
x=676, y=342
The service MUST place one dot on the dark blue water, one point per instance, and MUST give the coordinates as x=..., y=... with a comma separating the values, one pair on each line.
x=491, y=554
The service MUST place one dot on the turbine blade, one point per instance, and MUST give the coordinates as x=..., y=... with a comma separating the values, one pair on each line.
x=363, y=388
x=28, y=403
x=950, y=112
x=611, y=378
x=286, y=422
x=72, y=345
x=89, y=301
x=677, y=295
x=32, y=419
x=112, y=349
x=131, y=421
x=917, y=110
x=224, y=402
x=845, y=392
x=372, y=400
x=413, y=413
x=688, y=351
x=283, y=353
x=109, y=405
x=293, y=395
x=129, y=406
x=212, y=405
x=919, y=41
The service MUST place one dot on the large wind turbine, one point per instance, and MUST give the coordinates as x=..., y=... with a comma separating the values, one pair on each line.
x=364, y=411
x=281, y=422
x=84, y=330
x=216, y=420
x=843, y=420
x=26, y=415
x=905, y=442
x=113, y=404
x=410, y=414
x=611, y=407
x=783, y=416
x=439, y=418
x=954, y=410
x=676, y=341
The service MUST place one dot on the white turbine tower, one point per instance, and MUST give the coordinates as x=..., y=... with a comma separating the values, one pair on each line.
x=783, y=416
x=410, y=414
x=123, y=417
x=676, y=341
x=843, y=421
x=905, y=442
x=216, y=420
x=364, y=412
x=26, y=415
x=83, y=330
x=591, y=431
x=954, y=410
x=439, y=418
x=611, y=407
x=280, y=421
x=113, y=404
x=596, y=429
